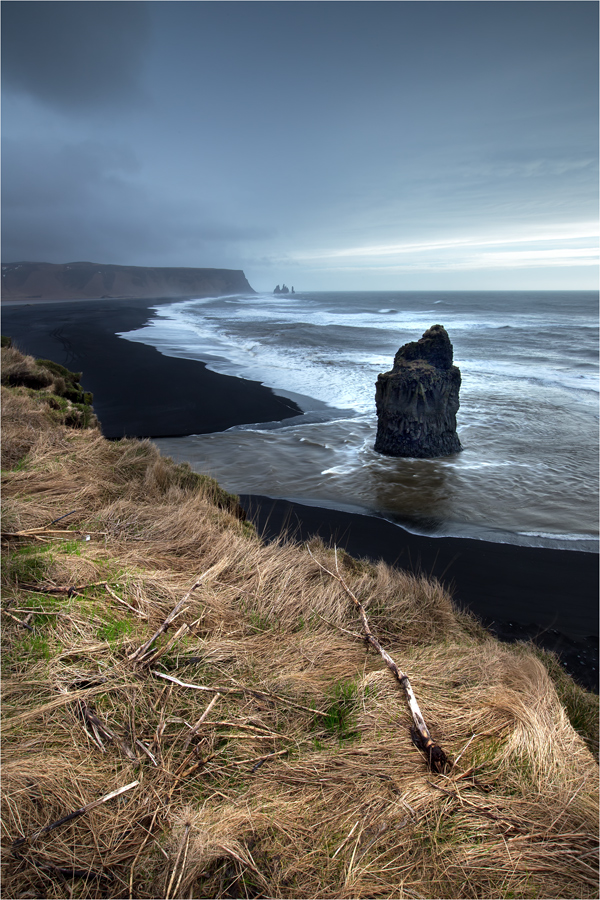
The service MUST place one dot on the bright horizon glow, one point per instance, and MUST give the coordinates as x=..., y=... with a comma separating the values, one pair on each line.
x=573, y=248
x=587, y=231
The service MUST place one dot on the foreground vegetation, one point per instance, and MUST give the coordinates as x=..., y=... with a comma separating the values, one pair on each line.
x=265, y=751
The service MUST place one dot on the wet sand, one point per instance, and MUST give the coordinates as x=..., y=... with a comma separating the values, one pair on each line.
x=519, y=593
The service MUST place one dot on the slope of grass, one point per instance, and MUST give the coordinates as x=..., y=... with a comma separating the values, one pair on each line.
x=271, y=750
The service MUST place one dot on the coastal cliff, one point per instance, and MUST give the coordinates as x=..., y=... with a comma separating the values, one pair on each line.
x=94, y=281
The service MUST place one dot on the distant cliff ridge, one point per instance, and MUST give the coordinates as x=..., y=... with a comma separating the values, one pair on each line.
x=93, y=281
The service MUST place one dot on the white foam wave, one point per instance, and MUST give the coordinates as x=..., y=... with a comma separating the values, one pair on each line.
x=260, y=338
x=549, y=535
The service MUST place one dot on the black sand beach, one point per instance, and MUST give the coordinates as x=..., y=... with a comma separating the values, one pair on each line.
x=519, y=593
x=138, y=392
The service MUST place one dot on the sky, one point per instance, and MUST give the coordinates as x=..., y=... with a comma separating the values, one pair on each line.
x=327, y=145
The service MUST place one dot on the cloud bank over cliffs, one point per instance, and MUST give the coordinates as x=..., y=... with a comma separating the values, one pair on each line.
x=333, y=145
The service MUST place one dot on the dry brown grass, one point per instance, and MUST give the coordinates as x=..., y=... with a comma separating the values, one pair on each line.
x=302, y=780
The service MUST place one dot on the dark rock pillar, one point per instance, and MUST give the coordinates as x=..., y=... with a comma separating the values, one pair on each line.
x=418, y=400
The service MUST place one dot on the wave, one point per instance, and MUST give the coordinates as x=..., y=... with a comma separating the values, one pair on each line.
x=527, y=418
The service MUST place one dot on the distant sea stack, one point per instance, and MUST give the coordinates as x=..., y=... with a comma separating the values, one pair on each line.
x=94, y=281
x=418, y=400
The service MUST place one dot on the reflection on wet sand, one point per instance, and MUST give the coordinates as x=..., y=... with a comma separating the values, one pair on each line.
x=419, y=494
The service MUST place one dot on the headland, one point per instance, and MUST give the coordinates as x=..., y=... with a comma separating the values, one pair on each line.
x=97, y=281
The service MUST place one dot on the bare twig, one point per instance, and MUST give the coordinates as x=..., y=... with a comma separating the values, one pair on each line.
x=38, y=532
x=19, y=621
x=143, y=650
x=78, y=812
x=437, y=759
x=262, y=695
x=119, y=600
x=182, y=847
x=60, y=518
x=146, y=751
x=99, y=727
x=194, y=729
x=196, y=687
x=70, y=590
x=264, y=759
x=149, y=659
x=263, y=732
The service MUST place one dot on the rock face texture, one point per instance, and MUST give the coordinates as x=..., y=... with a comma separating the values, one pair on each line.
x=96, y=281
x=418, y=400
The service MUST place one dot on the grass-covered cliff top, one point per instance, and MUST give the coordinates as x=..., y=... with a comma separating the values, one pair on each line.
x=265, y=750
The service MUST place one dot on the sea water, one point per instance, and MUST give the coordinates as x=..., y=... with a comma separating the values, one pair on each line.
x=528, y=417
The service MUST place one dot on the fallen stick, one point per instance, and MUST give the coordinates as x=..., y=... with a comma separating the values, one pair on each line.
x=264, y=759
x=146, y=751
x=78, y=812
x=20, y=621
x=36, y=532
x=436, y=758
x=260, y=695
x=66, y=589
x=60, y=518
x=139, y=614
x=193, y=732
x=195, y=728
x=149, y=658
x=142, y=651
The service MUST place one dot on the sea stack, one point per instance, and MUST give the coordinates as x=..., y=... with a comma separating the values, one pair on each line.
x=418, y=400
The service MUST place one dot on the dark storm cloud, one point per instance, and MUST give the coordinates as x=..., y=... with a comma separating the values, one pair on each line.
x=316, y=135
x=88, y=195
x=73, y=54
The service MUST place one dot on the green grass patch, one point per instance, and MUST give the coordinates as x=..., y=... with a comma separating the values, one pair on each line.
x=27, y=565
x=339, y=720
x=114, y=630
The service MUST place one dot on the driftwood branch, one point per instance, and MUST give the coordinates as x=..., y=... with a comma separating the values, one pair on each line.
x=259, y=695
x=195, y=728
x=16, y=619
x=142, y=651
x=78, y=812
x=436, y=758
x=138, y=654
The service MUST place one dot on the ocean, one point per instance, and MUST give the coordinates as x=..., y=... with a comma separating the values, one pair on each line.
x=528, y=417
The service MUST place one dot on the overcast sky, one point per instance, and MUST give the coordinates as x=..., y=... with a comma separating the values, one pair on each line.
x=330, y=145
